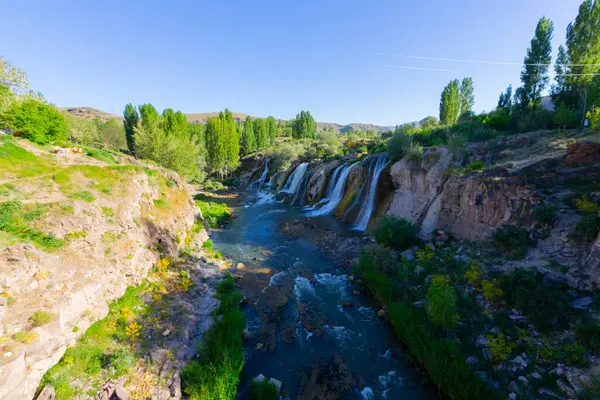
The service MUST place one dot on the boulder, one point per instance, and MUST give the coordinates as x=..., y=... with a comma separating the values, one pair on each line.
x=581, y=303
x=584, y=152
x=328, y=379
x=47, y=393
x=318, y=181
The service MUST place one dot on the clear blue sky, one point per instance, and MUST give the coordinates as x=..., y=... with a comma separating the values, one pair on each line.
x=272, y=57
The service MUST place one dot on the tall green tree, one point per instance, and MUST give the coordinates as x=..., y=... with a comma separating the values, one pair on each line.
x=149, y=117
x=505, y=100
x=271, y=129
x=39, y=122
x=215, y=145
x=248, y=139
x=537, y=62
x=583, y=43
x=232, y=142
x=450, y=103
x=560, y=90
x=129, y=123
x=174, y=123
x=261, y=133
x=304, y=126
x=467, y=96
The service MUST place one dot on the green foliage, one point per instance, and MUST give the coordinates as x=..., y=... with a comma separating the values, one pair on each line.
x=379, y=259
x=261, y=134
x=450, y=103
x=216, y=214
x=589, y=334
x=505, y=100
x=40, y=318
x=440, y=356
x=498, y=119
x=513, y=241
x=304, y=126
x=546, y=214
x=544, y=302
x=473, y=166
x=588, y=226
x=533, y=120
x=248, y=143
x=594, y=119
x=327, y=145
x=130, y=122
x=102, y=155
x=491, y=291
x=500, y=347
x=535, y=69
x=285, y=154
x=467, y=98
x=457, y=145
x=208, y=244
x=15, y=219
x=399, y=145
x=83, y=195
x=38, y=122
x=214, y=373
x=396, y=233
x=441, y=302
x=415, y=153
x=263, y=390
x=565, y=117
x=222, y=144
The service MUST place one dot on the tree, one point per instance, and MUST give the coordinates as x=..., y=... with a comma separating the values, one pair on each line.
x=110, y=134
x=467, y=98
x=304, y=126
x=38, y=122
x=11, y=77
x=271, y=129
x=537, y=62
x=583, y=43
x=232, y=142
x=149, y=117
x=450, y=103
x=248, y=138
x=564, y=116
x=561, y=90
x=505, y=100
x=429, y=122
x=174, y=123
x=129, y=123
x=261, y=134
x=441, y=302
x=214, y=145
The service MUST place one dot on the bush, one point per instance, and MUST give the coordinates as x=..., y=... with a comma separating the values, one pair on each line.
x=283, y=156
x=415, y=153
x=497, y=119
x=40, y=318
x=396, y=233
x=535, y=120
x=513, y=241
x=457, y=144
x=545, y=303
x=546, y=214
x=207, y=245
x=565, y=117
x=38, y=122
x=379, y=259
x=398, y=145
x=588, y=226
x=594, y=119
x=262, y=390
x=500, y=347
x=589, y=334
x=441, y=302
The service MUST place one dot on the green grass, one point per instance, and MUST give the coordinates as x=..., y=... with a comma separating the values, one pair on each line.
x=16, y=219
x=83, y=195
x=216, y=214
x=40, y=318
x=214, y=373
x=161, y=203
x=262, y=390
x=16, y=162
x=102, y=155
x=104, y=345
x=441, y=357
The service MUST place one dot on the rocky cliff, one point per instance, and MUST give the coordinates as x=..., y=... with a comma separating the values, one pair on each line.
x=75, y=232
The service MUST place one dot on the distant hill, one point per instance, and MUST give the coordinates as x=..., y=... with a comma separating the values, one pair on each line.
x=92, y=113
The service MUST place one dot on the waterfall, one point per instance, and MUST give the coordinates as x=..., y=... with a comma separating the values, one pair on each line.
x=376, y=165
x=335, y=190
x=292, y=182
x=263, y=177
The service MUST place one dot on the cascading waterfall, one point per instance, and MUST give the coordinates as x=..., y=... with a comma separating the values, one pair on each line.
x=328, y=191
x=262, y=179
x=300, y=196
x=335, y=190
x=294, y=180
x=368, y=204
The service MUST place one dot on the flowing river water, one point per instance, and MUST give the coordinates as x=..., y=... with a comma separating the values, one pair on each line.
x=299, y=310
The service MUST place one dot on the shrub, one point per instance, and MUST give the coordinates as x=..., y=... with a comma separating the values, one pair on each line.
x=83, y=195
x=263, y=390
x=588, y=226
x=497, y=119
x=396, y=233
x=378, y=258
x=473, y=275
x=546, y=214
x=441, y=302
x=491, y=291
x=284, y=155
x=513, y=241
x=215, y=214
x=565, y=117
x=594, y=119
x=398, y=145
x=40, y=318
x=535, y=120
x=39, y=122
x=589, y=334
x=457, y=144
x=25, y=337
x=545, y=303
x=500, y=347
x=415, y=153
x=208, y=244
x=587, y=206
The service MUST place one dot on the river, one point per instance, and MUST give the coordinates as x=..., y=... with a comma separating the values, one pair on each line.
x=303, y=308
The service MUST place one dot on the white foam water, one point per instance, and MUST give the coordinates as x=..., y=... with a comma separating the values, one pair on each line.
x=338, y=283
x=367, y=393
x=339, y=333
x=334, y=198
x=291, y=185
x=364, y=216
x=262, y=179
x=387, y=355
x=302, y=286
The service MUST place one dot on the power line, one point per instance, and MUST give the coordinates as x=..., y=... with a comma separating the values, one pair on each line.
x=481, y=61
x=419, y=68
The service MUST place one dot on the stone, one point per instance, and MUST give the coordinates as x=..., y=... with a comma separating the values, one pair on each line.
x=121, y=393
x=259, y=378
x=419, y=270
x=472, y=362
x=47, y=393
x=584, y=152
x=175, y=387
x=355, y=292
x=240, y=266
x=328, y=379
x=481, y=342
x=277, y=384
x=512, y=396
x=522, y=380
x=558, y=371
x=381, y=313
x=408, y=255
x=565, y=389
x=581, y=303
x=513, y=387
x=487, y=354
x=259, y=346
x=536, y=375
x=518, y=360
x=548, y=393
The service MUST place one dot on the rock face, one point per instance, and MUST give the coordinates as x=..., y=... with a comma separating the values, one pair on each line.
x=418, y=184
x=109, y=245
x=583, y=153
x=318, y=181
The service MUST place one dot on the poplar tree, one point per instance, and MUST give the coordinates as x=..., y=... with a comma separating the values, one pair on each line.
x=231, y=147
x=536, y=64
x=248, y=138
x=304, y=126
x=130, y=122
x=214, y=145
x=505, y=100
x=271, y=130
x=261, y=134
x=450, y=103
x=467, y=97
